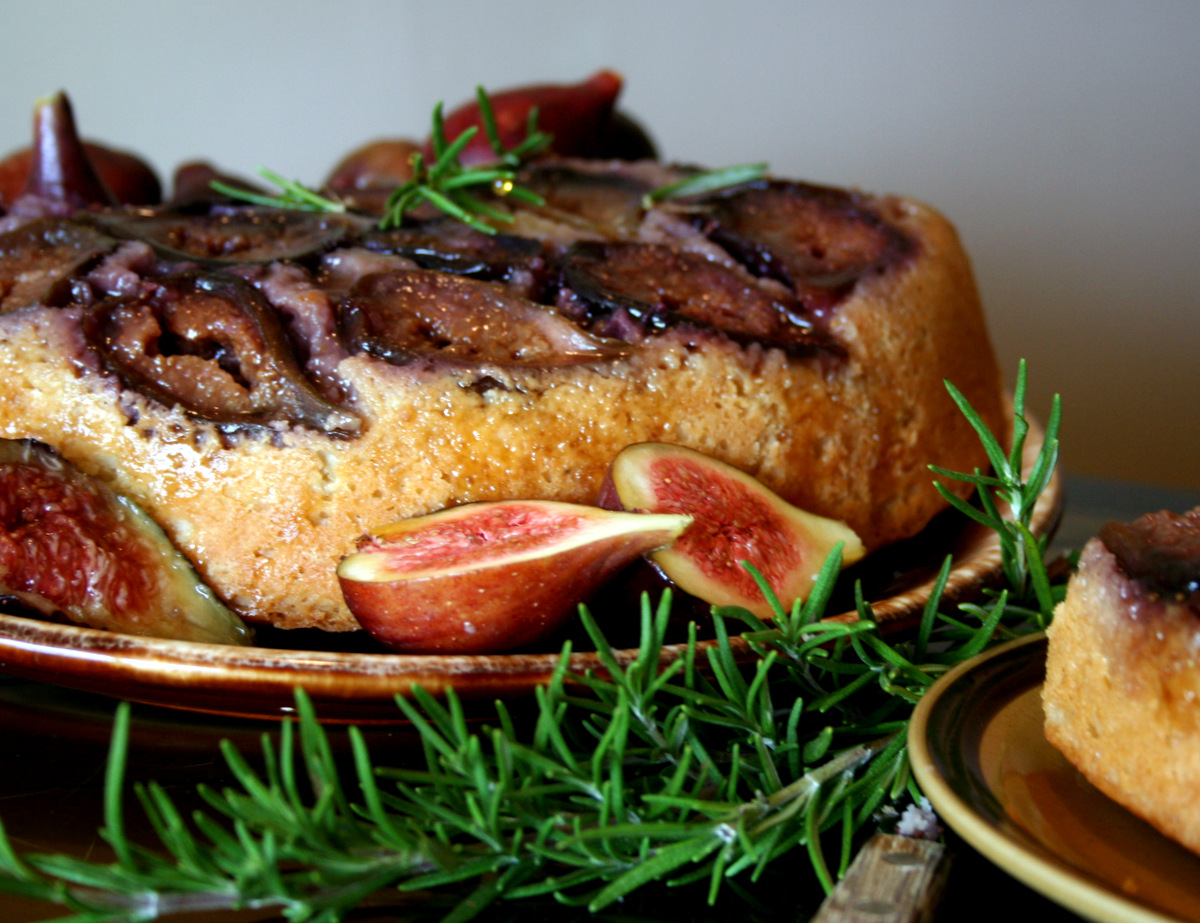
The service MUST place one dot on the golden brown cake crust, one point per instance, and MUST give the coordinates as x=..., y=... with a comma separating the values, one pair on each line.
x=1121, y=692
x=265, y=517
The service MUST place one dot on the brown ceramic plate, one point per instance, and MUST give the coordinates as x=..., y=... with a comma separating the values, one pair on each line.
x=980, y=755
x=356, y=682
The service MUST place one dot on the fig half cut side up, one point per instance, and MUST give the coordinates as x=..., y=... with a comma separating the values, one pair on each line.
x=736, y=520
x=491, y=576
x=70, y=546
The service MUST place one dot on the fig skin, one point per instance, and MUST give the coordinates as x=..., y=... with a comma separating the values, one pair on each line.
x=128, y=177
x=70, y=546
x=491, y=576
x=63, y=169
x=736, y=519
x=577, y=115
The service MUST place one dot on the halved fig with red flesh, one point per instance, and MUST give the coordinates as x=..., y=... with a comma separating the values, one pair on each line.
x=736, y=520
x=70, y=545
x=214, y=346
x=493, y=576
x=406, y=315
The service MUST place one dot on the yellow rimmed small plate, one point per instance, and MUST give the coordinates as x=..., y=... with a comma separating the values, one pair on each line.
x=980, y=755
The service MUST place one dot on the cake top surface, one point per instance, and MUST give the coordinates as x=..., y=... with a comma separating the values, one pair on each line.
x=1161, y=551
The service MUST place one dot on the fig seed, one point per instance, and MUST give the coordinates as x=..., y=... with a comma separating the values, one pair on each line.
x=736, y=520
x=491, y=576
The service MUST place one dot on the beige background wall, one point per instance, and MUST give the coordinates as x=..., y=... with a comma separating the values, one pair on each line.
x=1063, y=138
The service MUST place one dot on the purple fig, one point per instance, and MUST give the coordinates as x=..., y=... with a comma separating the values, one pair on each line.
x=576, y=116
x=70, y=546
x=131, y=180
x=367, y=175
x=735, y=519
x=492, y=576
x=60, y=169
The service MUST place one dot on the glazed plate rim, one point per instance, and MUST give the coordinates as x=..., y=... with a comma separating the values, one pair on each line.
x=259, y=682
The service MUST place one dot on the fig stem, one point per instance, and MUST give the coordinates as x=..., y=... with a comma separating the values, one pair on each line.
x=60, y=169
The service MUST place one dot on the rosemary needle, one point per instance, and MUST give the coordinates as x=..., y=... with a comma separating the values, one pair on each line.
x=294, y=195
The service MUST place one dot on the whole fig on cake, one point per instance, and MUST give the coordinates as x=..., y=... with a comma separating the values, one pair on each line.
x=491, y=576
x=576, y=116
x=61, y=167
x=736, y=521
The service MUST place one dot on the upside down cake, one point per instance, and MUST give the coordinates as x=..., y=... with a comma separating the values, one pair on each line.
x=270, y=383
x=1123, y=671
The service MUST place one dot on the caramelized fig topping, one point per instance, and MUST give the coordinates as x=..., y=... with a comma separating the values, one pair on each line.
x=662, y=286
x=40, y=260
x=214, y=346
x=607, y=203
x=817, y=240
x=406, y=315
x=244, y=235
x=451, y=246
x=1160, y=550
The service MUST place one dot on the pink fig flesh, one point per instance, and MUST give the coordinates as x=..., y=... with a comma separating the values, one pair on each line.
x=493, y=576
x=735, y=519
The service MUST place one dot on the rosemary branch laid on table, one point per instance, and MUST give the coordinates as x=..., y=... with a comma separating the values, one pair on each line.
x=705, y=775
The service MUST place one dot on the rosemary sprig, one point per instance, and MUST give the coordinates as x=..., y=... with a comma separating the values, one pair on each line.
x=453, y=188
x=449, y=185
x=446, y=183
x=1005, y=489
x=700, y=774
